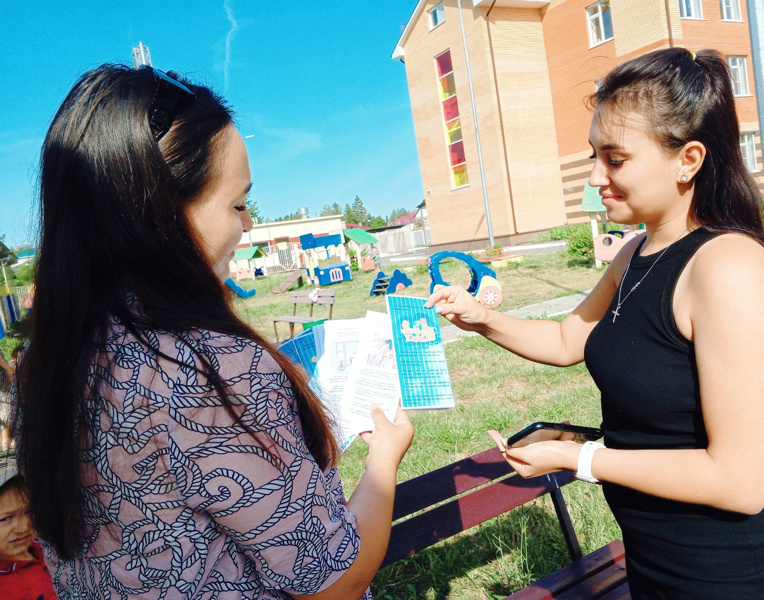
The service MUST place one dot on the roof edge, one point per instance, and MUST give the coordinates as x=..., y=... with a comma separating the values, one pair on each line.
x=398, y=53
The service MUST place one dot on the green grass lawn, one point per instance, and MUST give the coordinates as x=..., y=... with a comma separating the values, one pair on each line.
x=494, y=390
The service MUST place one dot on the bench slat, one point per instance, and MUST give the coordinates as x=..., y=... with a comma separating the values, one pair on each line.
x=291, y=319
x=446, y=482
x=581, y=578
x=598, y=586
x=622, y=592
x=422, y=531
x=321, y=300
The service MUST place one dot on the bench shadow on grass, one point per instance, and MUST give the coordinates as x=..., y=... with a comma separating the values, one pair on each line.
x=496, y=558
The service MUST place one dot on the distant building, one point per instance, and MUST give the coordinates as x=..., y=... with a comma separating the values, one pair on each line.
x=533, y=63
x=25, y=256
x=280, y=246
x=405, y=219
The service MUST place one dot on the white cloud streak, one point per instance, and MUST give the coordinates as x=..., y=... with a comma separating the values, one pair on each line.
x=228, y=39
x=22, y=143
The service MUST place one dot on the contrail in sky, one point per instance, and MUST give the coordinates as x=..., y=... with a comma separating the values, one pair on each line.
x=228, y=38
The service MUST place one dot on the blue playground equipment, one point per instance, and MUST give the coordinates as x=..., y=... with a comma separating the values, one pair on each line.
x=389, y=285
x=484, y=286
x=240, y=290
x=398, y=281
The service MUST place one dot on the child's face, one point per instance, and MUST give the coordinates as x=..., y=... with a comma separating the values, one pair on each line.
x=16, y=532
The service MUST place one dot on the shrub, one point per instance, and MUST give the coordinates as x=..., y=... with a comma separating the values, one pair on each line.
x=24, y=275
x=566, y=232
x=579, y=238
x=580, y=245
x=422, y=270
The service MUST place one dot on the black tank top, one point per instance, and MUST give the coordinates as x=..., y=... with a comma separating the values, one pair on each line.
x=648, y=377
x=643, y=366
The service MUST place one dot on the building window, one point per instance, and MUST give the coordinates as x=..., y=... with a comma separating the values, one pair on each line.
x=690, y=9
x=437, y=15
x=457, y=162
x=748, y=150
x=600, y=23
x=739, y=72
x=731, y=10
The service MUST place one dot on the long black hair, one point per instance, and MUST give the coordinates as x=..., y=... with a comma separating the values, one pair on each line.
x=689, y=97
x=113, y=223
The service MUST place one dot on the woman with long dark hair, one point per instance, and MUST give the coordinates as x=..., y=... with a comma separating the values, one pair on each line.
x=673, y=333
x=169, y=450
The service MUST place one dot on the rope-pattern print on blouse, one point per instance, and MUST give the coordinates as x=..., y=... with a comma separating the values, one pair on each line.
x=181, y=501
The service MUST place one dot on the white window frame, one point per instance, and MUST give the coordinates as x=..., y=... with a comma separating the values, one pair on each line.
x=731, y=10
x=748, y=150
x=596, y=23
x=695, y=9
x=739, y=71
x=436, y=15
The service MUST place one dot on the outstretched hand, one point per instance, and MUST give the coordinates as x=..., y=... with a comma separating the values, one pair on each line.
x=459, y=306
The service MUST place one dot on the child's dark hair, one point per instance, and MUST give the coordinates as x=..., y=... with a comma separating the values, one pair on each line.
x=14, y=483
x=683, y=97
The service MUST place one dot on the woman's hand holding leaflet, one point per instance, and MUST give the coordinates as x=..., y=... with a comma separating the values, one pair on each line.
x=459, y=306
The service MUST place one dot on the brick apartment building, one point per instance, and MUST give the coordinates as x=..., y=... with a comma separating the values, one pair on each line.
x=533, y=63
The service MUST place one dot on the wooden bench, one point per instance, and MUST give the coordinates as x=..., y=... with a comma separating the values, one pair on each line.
x=311, y=298
x=449, y=500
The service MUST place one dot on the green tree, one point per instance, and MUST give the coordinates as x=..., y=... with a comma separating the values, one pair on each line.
x=329, y=210
x=358, y=210
x=24, y=275
x=348, y=215
x=397, y=213
x=295, y=216
x=253, y=211
x=377, y=222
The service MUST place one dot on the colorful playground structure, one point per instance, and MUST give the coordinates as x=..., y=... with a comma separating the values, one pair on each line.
x=326, y=270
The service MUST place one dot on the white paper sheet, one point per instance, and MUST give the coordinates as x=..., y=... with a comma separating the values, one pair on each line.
x=373, y=377
x=340, y=341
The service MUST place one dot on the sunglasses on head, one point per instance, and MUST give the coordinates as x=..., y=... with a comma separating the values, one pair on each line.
x=168, y=96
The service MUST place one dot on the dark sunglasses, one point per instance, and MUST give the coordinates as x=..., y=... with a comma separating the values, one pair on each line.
x=168, y=96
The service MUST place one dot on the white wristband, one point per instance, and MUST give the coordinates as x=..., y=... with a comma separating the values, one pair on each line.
x=585, y=456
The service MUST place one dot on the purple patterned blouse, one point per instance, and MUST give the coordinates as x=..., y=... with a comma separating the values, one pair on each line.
x=180, y=501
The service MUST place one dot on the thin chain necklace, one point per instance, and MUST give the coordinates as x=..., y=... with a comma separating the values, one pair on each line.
x=615, y=312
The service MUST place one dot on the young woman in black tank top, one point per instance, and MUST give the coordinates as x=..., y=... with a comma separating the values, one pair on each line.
x=682, y=409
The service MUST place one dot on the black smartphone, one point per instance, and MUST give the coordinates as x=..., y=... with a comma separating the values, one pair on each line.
x=542, y=431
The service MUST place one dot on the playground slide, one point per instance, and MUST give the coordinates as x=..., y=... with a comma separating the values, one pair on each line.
x=240, y=291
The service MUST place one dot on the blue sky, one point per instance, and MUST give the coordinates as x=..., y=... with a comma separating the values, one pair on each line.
x=313, y=82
